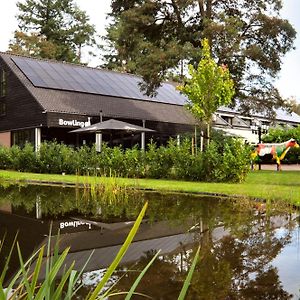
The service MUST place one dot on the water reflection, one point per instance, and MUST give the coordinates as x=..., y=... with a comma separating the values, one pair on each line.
x=241, y=242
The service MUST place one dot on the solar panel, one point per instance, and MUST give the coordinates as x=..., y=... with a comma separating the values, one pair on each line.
x=56, y=75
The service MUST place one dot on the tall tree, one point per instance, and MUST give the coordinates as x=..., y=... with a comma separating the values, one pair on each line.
x=294, y=104
x=150, y=38
x=52, y=29
x=207, y=87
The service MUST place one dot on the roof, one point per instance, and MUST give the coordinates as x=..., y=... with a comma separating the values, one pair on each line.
x=68, y=88
x=77, y=78
x=281, y=114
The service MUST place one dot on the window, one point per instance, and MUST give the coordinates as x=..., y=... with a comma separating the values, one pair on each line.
x=2, y=109
x=247, y=121
x=22, y=137
x=3, y=84
x=228, y=119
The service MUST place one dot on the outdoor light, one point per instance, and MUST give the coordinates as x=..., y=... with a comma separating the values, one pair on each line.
x=258, y=128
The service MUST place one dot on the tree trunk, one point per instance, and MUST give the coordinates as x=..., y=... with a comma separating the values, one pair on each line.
x=208, y=132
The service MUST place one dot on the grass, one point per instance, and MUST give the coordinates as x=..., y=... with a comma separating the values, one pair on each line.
x=271, y=185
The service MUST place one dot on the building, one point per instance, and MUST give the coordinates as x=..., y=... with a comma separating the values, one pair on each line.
x=233, y=123
x=43, y=100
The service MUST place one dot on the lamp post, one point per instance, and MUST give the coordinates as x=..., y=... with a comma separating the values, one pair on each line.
x=259, y=128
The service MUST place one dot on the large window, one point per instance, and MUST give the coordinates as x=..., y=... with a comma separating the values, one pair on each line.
x=22, y=137
x=3, y=83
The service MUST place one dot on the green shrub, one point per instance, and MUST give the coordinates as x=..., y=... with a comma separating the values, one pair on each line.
x=158, y=162
x=236, y=161
x=5, y=158
x=56, y=158
x=134, y=162
x=212, y=163
x=26, y=159
x=225, y=159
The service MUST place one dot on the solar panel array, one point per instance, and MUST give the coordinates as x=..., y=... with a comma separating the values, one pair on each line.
x=61, y=76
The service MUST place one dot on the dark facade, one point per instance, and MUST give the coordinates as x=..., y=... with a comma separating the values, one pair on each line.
x=44, y=100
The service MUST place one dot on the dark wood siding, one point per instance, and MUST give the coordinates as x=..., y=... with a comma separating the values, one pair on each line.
x=22, y=110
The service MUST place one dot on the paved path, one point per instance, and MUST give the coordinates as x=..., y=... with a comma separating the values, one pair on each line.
x=295, y=167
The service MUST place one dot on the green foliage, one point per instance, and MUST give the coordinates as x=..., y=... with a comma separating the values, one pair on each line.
x=134, y=161
x=26, y=158
x=56, y=158
x=156, y=38
x=224, y=160
x=52, y=29
x=208, y=87
x=280, y=135
x=158, y=161
x=5, y=158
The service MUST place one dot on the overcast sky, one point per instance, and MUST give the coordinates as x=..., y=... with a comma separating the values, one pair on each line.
x=288, y=82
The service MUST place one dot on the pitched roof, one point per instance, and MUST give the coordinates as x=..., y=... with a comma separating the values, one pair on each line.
x=77, y=78
x=281, y=114
x=67, y=88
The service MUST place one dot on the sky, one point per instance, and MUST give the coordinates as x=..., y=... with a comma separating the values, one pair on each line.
x=288, y=81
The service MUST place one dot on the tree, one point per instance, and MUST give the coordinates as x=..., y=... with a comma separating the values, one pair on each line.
x=152, y=38
x=52, y=29
x=294, y=104
x=208, y=87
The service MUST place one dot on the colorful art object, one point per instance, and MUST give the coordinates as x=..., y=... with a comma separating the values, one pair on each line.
x=278, y=151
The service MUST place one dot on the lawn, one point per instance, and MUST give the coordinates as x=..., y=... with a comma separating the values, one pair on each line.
x=273, y=185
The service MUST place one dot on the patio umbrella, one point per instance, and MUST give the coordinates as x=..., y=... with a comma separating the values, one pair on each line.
x=110, y=126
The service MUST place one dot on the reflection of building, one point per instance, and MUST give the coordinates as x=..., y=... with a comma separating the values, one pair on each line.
x=44, y=100
x=104, y=239
x=248, y=252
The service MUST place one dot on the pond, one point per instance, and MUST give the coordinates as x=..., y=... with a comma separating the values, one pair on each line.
x=249, y=250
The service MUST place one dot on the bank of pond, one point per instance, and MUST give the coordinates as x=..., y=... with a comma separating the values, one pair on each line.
x=248, y=249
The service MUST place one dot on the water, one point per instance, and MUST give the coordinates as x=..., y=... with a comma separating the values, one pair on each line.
x=248, y=250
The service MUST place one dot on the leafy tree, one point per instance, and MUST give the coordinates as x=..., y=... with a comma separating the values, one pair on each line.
x=294, y=104
x=208, y=87
x=152, y=38
x=52, y=29
x=280, y=135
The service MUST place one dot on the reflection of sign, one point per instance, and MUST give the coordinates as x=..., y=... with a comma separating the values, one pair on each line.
x=74, y=224
x=74, y=123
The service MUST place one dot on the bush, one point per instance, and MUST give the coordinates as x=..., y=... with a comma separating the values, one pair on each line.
x=25, y=159
x=158, y=163
x=236, y=161
x=5, y=158
x=57, y=158
x=134, y=162
x=225, y=159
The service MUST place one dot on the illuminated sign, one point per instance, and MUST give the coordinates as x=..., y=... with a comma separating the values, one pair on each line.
x=74, y=123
